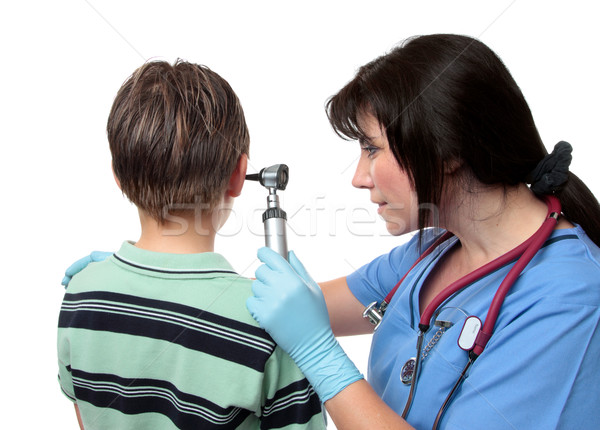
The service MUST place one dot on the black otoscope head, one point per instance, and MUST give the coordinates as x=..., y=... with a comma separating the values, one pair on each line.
x=275, y=176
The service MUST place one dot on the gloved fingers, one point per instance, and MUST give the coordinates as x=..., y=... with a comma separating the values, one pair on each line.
x=97, y=256
x=78, y=266
x=273, y=259
x=263, y=273
x=259, y=289
x=254, y=305
x=276, y=290
x=263, y=303
x=276, y=272
x=75, y=268
x=82, y=263
x=298, y=266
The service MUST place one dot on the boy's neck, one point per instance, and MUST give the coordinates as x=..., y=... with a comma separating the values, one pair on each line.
x=183, y=234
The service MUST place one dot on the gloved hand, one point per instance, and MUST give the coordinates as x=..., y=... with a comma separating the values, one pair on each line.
x=290, y=306
x=82, y=263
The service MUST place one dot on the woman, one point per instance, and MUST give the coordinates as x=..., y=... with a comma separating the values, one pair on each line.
x=448, y=141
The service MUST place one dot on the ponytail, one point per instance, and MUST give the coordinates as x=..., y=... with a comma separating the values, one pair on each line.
x=579, y=205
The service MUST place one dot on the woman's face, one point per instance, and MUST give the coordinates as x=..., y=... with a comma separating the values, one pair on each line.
x=390, y=188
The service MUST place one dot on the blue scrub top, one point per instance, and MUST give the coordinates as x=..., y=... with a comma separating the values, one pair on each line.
x=540, y=368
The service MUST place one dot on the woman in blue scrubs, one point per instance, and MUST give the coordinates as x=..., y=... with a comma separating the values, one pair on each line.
x=448, y=143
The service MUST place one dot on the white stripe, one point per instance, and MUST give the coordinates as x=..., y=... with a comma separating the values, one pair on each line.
x=206, y=327
x=168, y=314
x=298, y=397
x=132, y=392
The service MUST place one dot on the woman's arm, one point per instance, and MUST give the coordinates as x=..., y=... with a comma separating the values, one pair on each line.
x=292, y=308
x=359, y=407
x=345, y=311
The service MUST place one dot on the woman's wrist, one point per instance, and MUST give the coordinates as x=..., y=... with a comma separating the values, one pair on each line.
x=358, y=407
x=328, y=369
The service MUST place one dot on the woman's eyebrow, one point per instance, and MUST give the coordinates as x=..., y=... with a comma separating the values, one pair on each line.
x=369, y=140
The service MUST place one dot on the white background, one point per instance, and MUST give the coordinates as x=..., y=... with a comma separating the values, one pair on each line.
x=63, y=62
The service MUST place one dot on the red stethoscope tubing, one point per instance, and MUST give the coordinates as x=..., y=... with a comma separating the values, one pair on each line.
x=524, y=252
x=537, y=241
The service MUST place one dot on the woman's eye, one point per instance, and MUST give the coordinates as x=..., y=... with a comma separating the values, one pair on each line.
x=370, y=149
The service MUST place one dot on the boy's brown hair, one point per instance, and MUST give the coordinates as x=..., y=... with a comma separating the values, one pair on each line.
x=176, y=133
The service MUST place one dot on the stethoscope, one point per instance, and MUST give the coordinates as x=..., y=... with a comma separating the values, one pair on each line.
x=474, y=335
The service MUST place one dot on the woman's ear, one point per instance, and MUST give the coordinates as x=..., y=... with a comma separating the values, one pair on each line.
x=453, y=166
x=236, y=182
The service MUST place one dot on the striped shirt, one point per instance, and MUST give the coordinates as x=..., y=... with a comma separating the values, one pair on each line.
x=164, y=341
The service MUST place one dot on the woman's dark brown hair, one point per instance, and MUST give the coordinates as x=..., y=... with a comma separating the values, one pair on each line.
x=446, y=98
x=176, y=133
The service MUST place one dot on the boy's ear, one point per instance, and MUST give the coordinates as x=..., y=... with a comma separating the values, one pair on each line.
x=236, y=182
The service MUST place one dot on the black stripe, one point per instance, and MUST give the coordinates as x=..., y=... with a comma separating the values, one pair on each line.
x=296, y=412
x=133, y=323
x=177, y=272
x=179, y=308
x=132, y=396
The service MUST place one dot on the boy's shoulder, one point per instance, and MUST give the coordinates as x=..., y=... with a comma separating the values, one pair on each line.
x=205, y=281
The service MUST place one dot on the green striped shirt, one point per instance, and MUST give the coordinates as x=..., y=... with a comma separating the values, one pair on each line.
x=151, y=340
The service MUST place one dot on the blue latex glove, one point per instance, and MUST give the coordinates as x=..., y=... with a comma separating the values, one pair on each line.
x=290, y=306
x=82, y=263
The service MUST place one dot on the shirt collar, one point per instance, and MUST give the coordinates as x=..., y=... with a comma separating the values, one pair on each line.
x=160, y=264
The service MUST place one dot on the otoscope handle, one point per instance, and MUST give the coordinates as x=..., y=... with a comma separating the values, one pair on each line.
x=274, y=218
x=274, y=221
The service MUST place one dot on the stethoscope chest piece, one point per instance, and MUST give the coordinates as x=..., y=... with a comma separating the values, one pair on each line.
x=408, y=370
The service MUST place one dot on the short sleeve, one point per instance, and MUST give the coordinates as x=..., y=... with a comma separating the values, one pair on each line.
x=289, y=401
x=64, y=365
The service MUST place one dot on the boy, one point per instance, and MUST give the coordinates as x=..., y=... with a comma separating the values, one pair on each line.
x=158, y=336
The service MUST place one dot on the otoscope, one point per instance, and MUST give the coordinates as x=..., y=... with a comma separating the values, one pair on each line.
x=274, y=218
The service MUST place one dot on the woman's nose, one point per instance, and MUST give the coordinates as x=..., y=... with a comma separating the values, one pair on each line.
x=362, y=178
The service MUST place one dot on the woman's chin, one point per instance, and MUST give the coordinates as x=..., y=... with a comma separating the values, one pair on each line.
x=396, y=229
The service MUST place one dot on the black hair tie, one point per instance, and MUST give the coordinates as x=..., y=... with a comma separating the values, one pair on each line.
x=553, y=171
